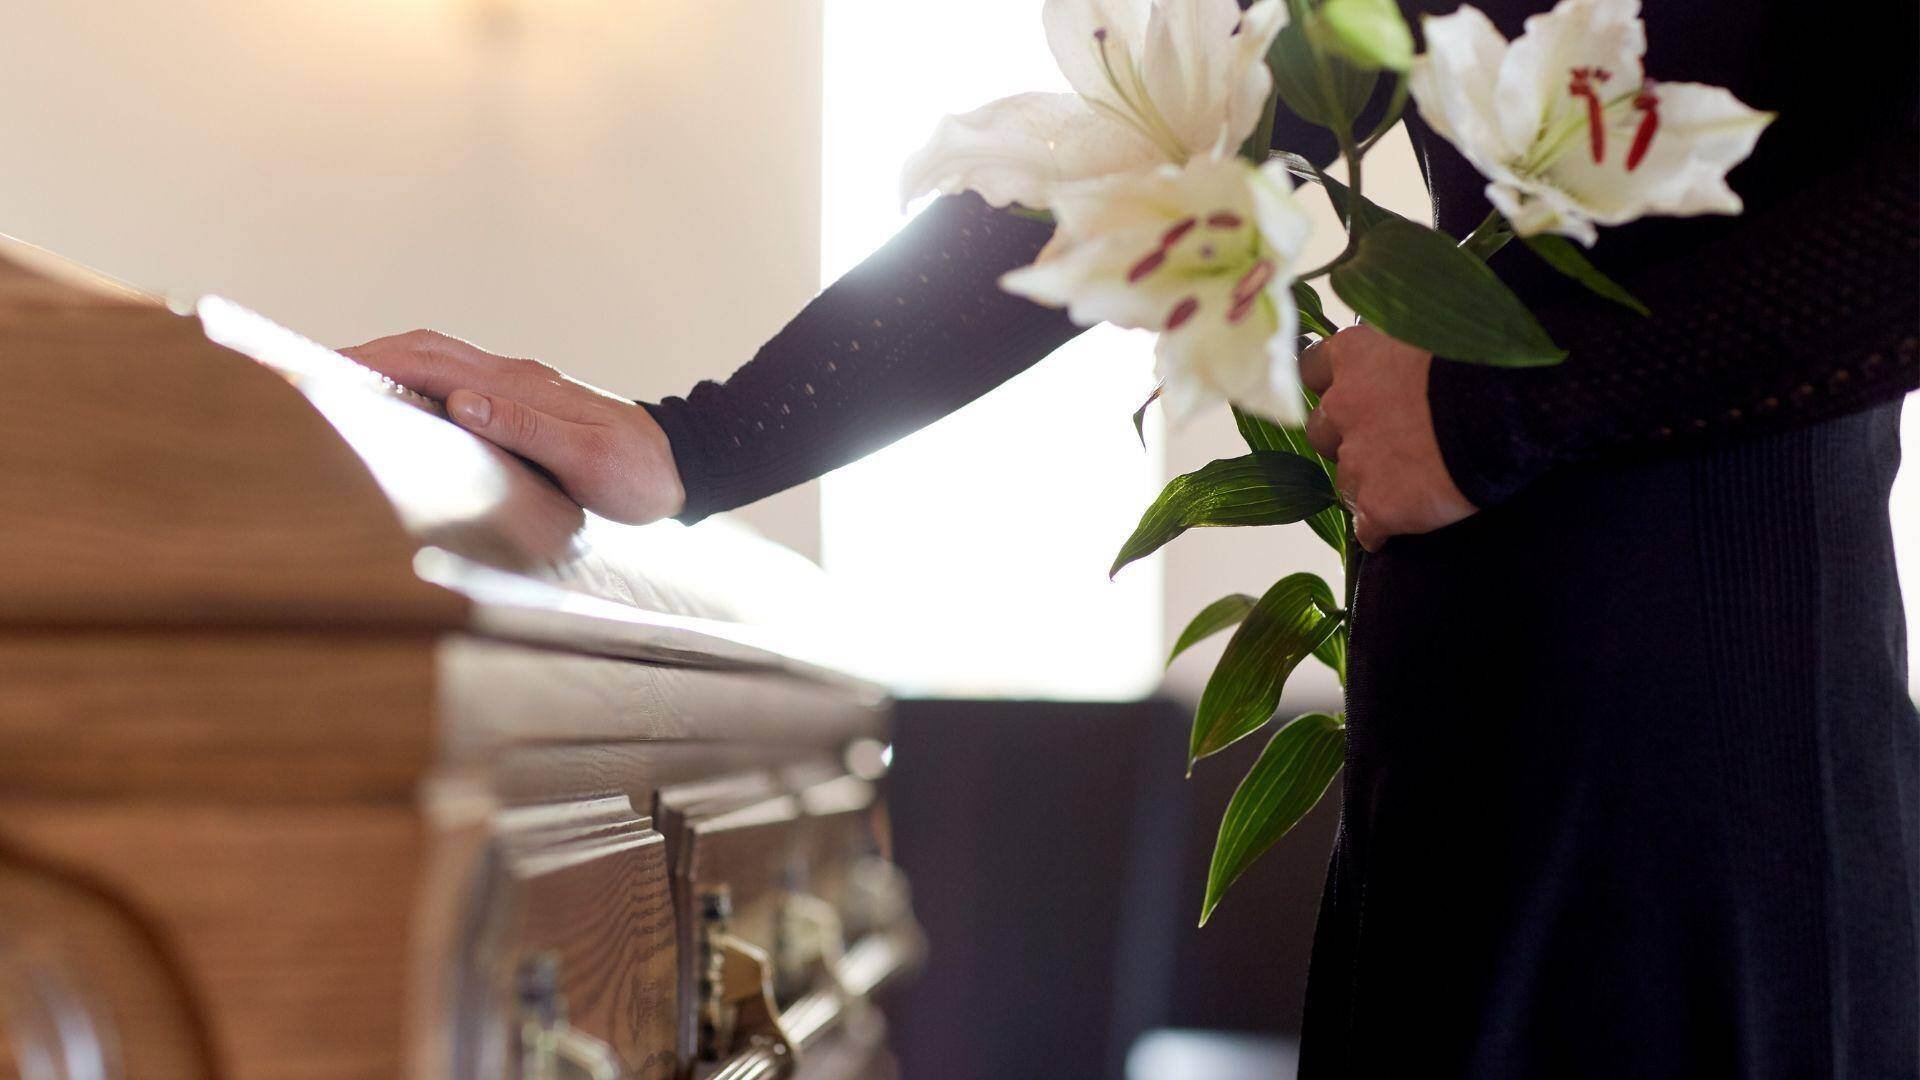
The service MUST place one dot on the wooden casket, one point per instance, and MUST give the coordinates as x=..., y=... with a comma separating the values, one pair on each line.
x=335, y=742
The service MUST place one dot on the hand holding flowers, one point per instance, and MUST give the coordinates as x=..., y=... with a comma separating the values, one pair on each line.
x=1175, y=216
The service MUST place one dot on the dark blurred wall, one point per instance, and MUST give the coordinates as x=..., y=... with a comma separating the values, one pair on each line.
x=1058, y=858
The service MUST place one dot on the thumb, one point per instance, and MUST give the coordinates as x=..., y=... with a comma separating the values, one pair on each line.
x=517, y=426
x=1370, y=535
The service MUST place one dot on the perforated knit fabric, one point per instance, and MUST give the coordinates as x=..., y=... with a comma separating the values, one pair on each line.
x=917, y=330
x=1810, y=310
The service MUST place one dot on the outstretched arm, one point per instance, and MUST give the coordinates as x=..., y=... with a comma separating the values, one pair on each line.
x=911, y=334
x=914, y=332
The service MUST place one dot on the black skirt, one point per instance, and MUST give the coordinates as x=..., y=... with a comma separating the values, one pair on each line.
x=1633, y=781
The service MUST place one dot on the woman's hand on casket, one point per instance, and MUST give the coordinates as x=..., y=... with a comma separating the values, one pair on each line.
x=604, y=450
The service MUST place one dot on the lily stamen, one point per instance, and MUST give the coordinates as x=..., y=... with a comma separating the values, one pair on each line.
x=1581, y=86
x=1146, y=265
x=1182, y=311
x=1648, y=103
x=1139, y=113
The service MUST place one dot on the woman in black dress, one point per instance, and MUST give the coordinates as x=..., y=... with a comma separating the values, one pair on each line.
x=1633, y=780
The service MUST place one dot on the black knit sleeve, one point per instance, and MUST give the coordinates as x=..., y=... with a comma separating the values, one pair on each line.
x=1804, y=311
x=918, y=329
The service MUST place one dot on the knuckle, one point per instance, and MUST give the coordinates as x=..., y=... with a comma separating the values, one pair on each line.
x=522, y=424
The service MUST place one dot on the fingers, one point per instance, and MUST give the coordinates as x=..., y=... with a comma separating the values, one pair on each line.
x=1316, y=366
x=1323, y=435
x=437, y=365
x=1370, y=535
x=425, y=361
x=555, y=444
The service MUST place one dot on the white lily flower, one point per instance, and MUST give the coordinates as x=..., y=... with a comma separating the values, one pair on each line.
x=1154, y=81
x=1203, y=253
x=1567, y=128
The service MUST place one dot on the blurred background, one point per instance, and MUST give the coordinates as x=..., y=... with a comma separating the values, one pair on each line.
x=640, y=192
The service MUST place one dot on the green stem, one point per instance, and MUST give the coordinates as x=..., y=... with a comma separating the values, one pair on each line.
x=1489, y=236
x=1343, y=134
x=1395, y=106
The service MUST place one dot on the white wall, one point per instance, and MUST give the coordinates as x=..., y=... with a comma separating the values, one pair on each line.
x=627, y=190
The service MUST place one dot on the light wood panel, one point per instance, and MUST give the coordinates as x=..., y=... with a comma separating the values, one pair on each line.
x=152, y=476
x=290, y=923
x=242, y=717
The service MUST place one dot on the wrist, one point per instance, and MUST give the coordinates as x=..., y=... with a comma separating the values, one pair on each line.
x=1472, y=411
x=659, y=468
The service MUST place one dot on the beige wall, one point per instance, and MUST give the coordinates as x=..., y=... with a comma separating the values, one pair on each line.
x=629, y=190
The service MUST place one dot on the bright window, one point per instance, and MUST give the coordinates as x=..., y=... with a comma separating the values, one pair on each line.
x=978, y=548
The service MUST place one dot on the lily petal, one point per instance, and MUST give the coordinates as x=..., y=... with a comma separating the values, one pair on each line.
x=1605, y=36
x=1284, y=225
x=1534, y=208
x=1452, y=83
x=1016, y=149
x=1703, y=132
x=1250, y=363
x=1072, y=26
x=1205, y=69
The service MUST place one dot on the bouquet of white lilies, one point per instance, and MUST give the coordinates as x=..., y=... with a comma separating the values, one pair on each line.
x=1173, y=215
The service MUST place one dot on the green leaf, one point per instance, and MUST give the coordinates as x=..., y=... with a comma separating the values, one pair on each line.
x=1227, y=611
x=1561, y=254
x=1313, y=317
x=1488, y=237
x=1285, y=625
x=1298, y=82
x=1369, y=33
x=1263, y=434
x=1333, y=652
x=1140, y=415
x=1412, y=283
x=1258, y=489
x=1291, y=775
x=1028, y=212
x=1371, y=213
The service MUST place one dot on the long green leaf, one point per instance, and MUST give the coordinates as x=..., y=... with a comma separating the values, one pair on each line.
x=1265, y=488
x=1285, y=625
x=1291, y=775
x=1263, y=434
x=1313, y=317
x=1562, y=255
x=1332, y=651
x=1412, y=283
x=1299, y=87
x=1227, y=611
x=1371, y=213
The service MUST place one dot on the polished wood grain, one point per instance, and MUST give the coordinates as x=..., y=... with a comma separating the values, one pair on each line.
x=124, y=430
x=592, y=878
x=289, y=923
x=199, y=715
x=65, y=932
